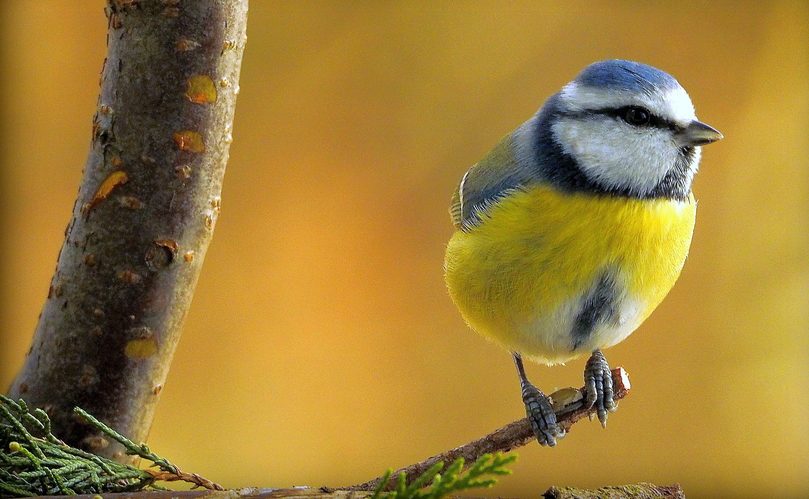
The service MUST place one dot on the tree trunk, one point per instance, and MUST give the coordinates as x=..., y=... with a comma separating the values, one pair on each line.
x=144, y=217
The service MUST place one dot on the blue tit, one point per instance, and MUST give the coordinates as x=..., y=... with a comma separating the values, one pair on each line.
x=576, y=225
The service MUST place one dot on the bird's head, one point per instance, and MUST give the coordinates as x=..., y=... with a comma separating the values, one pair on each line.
x=629, y=128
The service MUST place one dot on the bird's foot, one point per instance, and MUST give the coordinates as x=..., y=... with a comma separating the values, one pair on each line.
x=540, y=414
x=598, y=386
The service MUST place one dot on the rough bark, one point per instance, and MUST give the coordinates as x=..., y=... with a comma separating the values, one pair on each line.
x=634, y=491
x=143, y=219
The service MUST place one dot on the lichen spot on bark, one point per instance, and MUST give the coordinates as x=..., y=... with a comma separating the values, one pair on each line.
x=201, y=89
x=112, y=181
x=140, y=349
x=189, y=140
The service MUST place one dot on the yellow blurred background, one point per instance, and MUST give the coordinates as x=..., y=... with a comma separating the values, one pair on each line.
x=322, y=347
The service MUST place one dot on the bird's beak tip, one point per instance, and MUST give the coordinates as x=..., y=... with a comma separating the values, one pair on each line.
x=698, y=133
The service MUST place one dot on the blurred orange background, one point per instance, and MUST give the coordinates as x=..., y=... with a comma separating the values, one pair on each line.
x=322, y=347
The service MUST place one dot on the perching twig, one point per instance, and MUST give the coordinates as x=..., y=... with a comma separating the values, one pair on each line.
x=182, y=476
x=569, y=407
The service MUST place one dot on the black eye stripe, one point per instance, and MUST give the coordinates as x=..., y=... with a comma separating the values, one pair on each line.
x=619, y=113
x=653, y=119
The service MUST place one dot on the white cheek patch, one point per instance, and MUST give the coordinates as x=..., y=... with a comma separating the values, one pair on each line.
x=615, y=154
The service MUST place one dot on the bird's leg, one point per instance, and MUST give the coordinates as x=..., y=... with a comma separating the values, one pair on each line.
x=538, y=409
x=598, y=384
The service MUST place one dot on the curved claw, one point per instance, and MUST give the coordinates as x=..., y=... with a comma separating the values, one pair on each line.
x=598, y=384
x=538, y=409
x=540, y=414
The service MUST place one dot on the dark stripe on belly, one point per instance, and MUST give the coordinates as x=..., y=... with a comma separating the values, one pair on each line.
x=597, y=307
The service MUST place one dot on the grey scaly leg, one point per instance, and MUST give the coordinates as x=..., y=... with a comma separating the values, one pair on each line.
x=598, y=384
x=538, y=409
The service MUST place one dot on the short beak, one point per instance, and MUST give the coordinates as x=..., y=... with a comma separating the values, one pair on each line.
x=697, y=134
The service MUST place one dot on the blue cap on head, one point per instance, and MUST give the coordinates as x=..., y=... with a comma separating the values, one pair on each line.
x=626, y=75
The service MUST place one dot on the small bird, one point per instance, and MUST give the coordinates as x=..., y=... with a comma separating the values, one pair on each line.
x=576, y=225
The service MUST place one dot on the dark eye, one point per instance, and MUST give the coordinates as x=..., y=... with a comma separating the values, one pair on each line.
x=636, y=116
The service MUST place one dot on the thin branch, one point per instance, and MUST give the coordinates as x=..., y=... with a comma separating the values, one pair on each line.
x=569, y=408
x=182, y=476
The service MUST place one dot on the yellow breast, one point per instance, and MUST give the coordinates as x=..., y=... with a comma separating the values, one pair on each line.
x=523, y=275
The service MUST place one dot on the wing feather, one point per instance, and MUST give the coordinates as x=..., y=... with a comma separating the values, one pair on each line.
x=498, y=173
